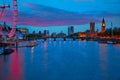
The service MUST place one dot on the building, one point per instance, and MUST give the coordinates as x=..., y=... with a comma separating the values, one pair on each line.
x=19, y=35
x=87, y=34
x=92, y=35
x=70, y=30
x=46, y=33
x=92, y=27
x=24, y=31
x=40, y=33
x=82, y=34
x=103, y=26
x=53, y=34
x=61, y=34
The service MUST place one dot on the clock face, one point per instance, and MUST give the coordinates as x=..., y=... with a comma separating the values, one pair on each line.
x=103, y=24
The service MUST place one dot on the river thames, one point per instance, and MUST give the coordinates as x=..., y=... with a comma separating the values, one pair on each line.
x=62, y=60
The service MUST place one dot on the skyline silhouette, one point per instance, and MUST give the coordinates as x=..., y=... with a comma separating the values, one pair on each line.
x=54, y=14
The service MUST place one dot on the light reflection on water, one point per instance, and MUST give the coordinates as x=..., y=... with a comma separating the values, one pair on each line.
x=16, y=67
x=32, y=54
x=11, y=67
x=62, y=60
x=45, y=56
x=103, y=60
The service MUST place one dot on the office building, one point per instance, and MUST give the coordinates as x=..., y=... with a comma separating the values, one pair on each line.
x=70, y=30
x=46, y=32
x=92, y=27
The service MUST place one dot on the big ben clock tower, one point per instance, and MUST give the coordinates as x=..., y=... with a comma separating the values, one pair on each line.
x=103, y=26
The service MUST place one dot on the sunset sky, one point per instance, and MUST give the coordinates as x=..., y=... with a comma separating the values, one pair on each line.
x=57, y=15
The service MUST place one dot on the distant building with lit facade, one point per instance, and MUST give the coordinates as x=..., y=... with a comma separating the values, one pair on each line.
x=103, y=26
x=70, y=30
x=82, y=34
x=24, y=31
x=92, y=27
x=91, y=33
x=87, y=34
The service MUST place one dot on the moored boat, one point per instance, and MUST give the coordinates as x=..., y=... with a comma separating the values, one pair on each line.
x=7, y=51
x=111, y=42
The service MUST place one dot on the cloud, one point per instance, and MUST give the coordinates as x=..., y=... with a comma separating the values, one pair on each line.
x=39, y=15
x=83, y=0
x=112, y=2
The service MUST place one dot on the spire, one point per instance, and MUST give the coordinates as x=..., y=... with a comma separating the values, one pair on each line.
x=103, y=21
x=103, y=26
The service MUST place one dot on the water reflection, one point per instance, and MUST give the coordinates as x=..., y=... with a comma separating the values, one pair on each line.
x=32, y=49
x=32, y=53
x=54, y=43
x=59, y=60
x=103, y=60
x=60, y=42
x=45, y=56
x=117, y=46
x=64, y=42
x=6, y=58
x=11, y=68
x=16, y=67
x=4, y=67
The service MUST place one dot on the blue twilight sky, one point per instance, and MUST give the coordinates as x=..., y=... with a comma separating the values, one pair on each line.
x=57, y=15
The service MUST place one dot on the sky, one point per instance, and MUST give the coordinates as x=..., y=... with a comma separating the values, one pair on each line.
x=57, y=15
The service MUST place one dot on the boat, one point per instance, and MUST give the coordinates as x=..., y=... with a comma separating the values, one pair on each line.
x=6, y=51
x=5, y=48
x=111, y=42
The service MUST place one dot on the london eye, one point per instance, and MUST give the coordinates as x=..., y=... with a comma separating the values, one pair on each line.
x=4, y=4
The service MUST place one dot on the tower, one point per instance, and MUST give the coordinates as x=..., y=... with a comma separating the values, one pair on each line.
x=103, y=26
x=46, y=32
x=70, y=30
x=92, y=27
